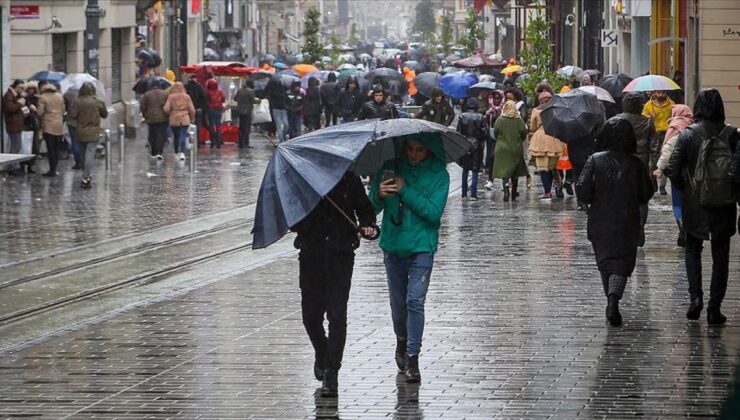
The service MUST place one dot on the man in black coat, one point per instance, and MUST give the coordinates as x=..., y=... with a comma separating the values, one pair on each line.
x=200, y=101
x=437, y=109
x=329, y=97
x=614, y=182
x=245, y=102
x=705, y=223
x=327, y=242
x=378, y=107
x=350, y=100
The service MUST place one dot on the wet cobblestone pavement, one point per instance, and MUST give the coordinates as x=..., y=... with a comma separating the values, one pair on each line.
x=515, y=327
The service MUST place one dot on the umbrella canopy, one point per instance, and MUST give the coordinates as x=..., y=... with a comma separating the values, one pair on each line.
x=650, y=83
x=304, y=79
x=397, y=87
x=451, y=69
x=600, y=93
x=385, y=74
x=479, y=87
x=149, y=58
x=348, y=58
x=49, y=76
x=279, y=65
x=288, y=72
x=347, y=66
x=478, y=61
x=365, y=56
x=425, y=82
x=569, y=71
x=304, y=69
x=456, y=85
x=307, y=168
x=591, y=72
x=515, y=68
x=146, y=84
x=413, y=65
x=452, y=58
x=614, y=84
x=572, y=115
x=73, y=82
x=287, y=79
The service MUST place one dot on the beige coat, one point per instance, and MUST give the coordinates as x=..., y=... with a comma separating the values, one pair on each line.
x=666, y=152
x=179, y=107
x=541, y=144
x=152, y=106
x=51, y=110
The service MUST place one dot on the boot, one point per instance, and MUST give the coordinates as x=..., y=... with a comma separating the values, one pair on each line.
x=715, y=317
x=330, y=386
x=681, y=241
x=559, y=192
x=412, y=371
x=318, y=368
x=506, y=193
x=401, y=356
x=514, y=193
x=612, y=311
x=695, y=308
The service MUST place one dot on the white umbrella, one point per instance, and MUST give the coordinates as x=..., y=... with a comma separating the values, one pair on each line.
x=601, y=93
x=74, y=81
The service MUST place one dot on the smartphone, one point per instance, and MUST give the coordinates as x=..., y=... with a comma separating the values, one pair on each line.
x=387, y=174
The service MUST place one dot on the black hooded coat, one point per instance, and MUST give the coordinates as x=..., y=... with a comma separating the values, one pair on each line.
x=614, y=183
x=701, y=222
x=350, y=102
x=312, y=103
x=632, y=105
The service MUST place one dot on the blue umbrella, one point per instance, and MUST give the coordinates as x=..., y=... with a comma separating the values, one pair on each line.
x=49, y=76
x=455, y=85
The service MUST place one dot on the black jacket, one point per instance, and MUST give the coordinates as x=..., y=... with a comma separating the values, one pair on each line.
x=325, y=228
x=350, y=102
x=471, y=125
x=275, y=92
x=294, y=102
x=615, y=183
x=329, y=95
x=440, y=113
x=385, y=110
x=644, y=127
x=197, y=94
x=312, y=102
x=245, y=101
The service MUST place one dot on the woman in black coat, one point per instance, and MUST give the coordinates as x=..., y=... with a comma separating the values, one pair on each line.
x=614, y=182
x=312, y=104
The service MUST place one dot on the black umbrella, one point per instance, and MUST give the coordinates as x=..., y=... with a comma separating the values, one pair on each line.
x=288, y=79
x=425, y=82
x=145, y=85
x=397, y=87
x=149, y=58
x=614, y=84
x=307, y=168
x=385, y=74
x=479, y=87
x=572, y=115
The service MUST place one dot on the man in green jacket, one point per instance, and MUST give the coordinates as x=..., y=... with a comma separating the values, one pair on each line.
x=412, y=200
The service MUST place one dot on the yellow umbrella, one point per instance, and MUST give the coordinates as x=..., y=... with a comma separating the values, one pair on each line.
x=512, y=69
x=304, y=69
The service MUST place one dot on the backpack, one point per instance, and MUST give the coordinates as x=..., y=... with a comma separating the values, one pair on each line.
x=712, y=182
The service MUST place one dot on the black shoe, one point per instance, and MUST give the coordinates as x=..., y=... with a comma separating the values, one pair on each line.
x=318, y=370
x=663, y=191
x=506, y=194
x=612, y=311
x=641, y=239
x=330, y=387
x=568, y=188
x=559, y=192
x=29, y=170
x=681, y=240
x=49, y=174
x=715, y=317
x=695, y=308
x=77, y=166
x=413, y=375
x=401, y=356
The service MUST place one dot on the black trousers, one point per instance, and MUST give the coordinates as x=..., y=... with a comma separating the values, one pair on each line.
x=157, y=137
x=245, y=128
x=720, y=268
x=313, y=122
x=331, y=116
x=53, y=146
x=325, y=280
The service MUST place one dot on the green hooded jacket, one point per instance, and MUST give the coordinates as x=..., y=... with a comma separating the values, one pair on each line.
x=424, y=197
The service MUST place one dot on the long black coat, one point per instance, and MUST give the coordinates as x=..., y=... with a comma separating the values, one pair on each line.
x=614, y=183
x=438, y=112
x=470, y=125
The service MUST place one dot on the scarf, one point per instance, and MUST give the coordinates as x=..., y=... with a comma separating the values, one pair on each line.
x=681, y=117
x=510, y=110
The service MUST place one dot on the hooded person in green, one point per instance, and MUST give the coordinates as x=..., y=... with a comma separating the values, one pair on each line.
x=412, y=201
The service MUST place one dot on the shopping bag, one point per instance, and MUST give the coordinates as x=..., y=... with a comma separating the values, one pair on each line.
x=226, y=118
x=27, y=142
x=261, y=112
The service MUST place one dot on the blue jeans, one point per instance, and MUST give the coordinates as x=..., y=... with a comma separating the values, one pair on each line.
x=214, y=125
x=295, y=121
x=408, y=282
x=280, y=116
x=676, y=198
x=473, y=184
x=75, y=144
x=181, y=138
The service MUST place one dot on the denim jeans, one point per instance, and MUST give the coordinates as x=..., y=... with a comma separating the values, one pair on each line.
x=280, y=116
x=473, y=184
x=87, y=159
x=408, y=282
x=676, y=198
x=214, y=125
x=75, y=144
x=16, y=142
x=181, y=138
x=294, y=122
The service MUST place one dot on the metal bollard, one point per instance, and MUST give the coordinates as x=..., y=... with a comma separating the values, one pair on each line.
x=192, y=136
x=106, y=138
x=121, y=145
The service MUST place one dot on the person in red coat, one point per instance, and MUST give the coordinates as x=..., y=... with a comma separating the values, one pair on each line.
x=216, y=101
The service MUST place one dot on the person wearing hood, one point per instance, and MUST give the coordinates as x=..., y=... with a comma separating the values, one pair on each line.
x=181, y=113
x=586, y=80
x=495, y=103
x=614, y=182
x=544, y=149
x=245, y=102
x=681, y=117
x=658, y=108
x=200, y=101
x=312, y=104
x=152, y=108
x=50, y=111
x=701, y=222
x=216, y=101
x=378, y=107
x=510, y=133
x=350, y=100
x=470, y=124
x=329, y=98
x=437, y=109
x=87, y=112
x=411, y=191
x=294, y=100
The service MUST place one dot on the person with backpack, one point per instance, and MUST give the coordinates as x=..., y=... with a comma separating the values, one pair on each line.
x=470, y=124
x=329, y=96
x=702, y=164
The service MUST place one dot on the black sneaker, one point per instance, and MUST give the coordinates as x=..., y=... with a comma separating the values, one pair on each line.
x=568, y=188
x=318, y=370
x=559, y=192
x=330, y=386
x=413, y=375
x=715, y=317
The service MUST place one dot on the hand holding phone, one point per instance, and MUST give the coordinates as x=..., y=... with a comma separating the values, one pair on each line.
x=387, y=185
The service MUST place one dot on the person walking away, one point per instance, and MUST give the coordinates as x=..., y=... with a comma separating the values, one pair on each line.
x=470, y=124
x=645, y=132
x=152, y=108
x=277, y=97
x=200, y=102
x=312, y=104
x=215, y=112
x=14, y=112
x=69, y=98
x=659, y=109
x=87, y=111
x=378, y=107
x=545, y=150
x=327, y=243
x=51, y=111
x=181, y=111
x=245, y=102
x=681, y=117
x=294, y=99
x=32, y=123
x=699, y=164
x=412, y=201
x=350, y=100
x=437, y=109
x=329, y=97
x=510, y=132
x=615, y=182
x=495, y=102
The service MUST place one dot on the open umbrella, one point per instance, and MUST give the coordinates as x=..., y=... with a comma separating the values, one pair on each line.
x=452, y=58
x=146, y=84
x=650, y=83
x=49, y=76
x=514, y=68
x=304, y=79
x=450, y=69
x=385, y=74
x=569, y=71
x=413, y=65
x=456, y=85
x=572, y=115
x=397, y=87
x=478, y=61
x=307, y=168
x=425, y=82
x=479, y=87
x=74, y=81
x=304, y=69
x=287, y=79
x=287, y=72
x=600, y=93
x=347, y=67
x=614, y=84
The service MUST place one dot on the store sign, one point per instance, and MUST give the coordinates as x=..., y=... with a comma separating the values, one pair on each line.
x=195, y=7
x=608, y=38
x=25, y=12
